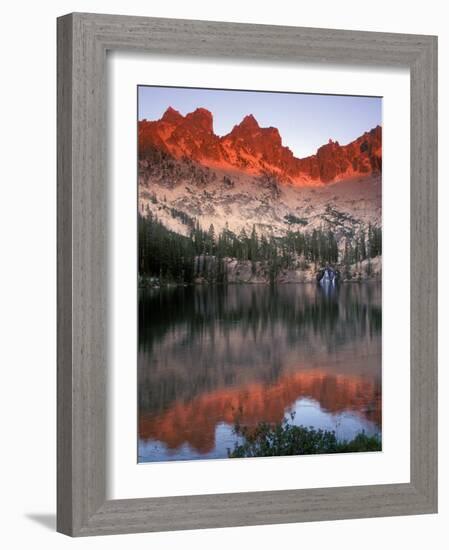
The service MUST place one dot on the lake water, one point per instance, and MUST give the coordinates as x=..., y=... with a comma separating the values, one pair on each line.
x=211, y=356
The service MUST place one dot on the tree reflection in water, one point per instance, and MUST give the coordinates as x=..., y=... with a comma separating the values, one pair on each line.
x=209, y=356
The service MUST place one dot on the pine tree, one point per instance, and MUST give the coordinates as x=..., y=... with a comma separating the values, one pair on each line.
x=211, y=239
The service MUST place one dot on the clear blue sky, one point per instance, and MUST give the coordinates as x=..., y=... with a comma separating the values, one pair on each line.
x=305, y=121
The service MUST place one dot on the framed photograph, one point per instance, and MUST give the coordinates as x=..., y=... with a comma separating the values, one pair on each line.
x=247, y=274
x=250, y=344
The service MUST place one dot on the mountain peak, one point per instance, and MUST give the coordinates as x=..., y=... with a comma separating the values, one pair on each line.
x=172, y=116
x=245, y=129
x=249, y=121
x=258, y=150
x=201, y=117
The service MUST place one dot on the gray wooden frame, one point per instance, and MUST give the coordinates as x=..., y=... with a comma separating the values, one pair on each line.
x=83, y=40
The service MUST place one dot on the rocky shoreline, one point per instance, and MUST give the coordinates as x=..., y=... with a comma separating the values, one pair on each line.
x=247, y=272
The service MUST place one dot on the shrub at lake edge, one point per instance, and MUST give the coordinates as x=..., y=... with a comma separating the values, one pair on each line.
x=286, y=439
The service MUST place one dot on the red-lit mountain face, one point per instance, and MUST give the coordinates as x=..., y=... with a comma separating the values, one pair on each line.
x=250, y=149
x=248, y=179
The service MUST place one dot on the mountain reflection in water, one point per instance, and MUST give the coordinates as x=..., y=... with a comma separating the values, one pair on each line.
x=211, y=356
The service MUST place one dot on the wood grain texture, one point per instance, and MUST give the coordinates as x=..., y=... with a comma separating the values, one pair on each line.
x=83, y=40
x=64, y=278
x=423, y=274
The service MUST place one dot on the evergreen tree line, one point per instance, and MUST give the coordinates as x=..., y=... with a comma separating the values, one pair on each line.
x=169, y=256
x=365, y=246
